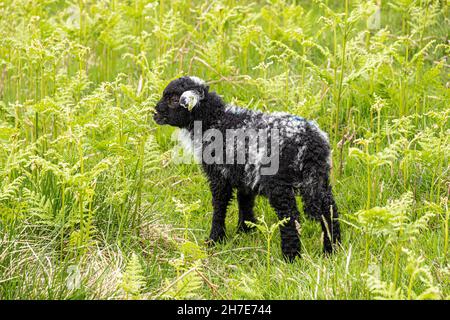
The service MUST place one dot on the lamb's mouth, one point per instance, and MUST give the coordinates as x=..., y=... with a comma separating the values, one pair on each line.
x=159, y=119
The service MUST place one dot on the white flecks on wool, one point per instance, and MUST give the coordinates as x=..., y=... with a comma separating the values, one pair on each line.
x=316, y=128
x=330, y=160
x=298, y=160
x=292, y=130
x=301, y=151
x=290, y=127
x=252, y=175
x=280, y=114
x=184, y=136
x=307, y=183
x=233, y=109
x=256, y=153
x=256, y=174
x=187, y=142
x=197, y=80
x=225, y=172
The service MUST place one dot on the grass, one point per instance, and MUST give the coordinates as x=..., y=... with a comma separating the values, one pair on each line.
x=93, y=207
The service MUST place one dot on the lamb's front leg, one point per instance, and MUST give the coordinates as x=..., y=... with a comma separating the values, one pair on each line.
x=221, y=196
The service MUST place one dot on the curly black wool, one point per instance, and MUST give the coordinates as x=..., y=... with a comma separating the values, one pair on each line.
x=304, y=162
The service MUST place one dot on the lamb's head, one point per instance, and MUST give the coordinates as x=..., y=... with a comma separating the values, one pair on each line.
x=179, y=98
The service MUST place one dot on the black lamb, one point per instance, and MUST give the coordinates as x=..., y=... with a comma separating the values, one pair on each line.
x=302, y=160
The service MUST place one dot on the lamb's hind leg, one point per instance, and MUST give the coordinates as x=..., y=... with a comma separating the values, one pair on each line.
x=319, y=204
x=246, y=202
x=282, y=199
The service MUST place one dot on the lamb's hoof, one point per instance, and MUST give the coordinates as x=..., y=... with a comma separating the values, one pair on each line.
x=290, y=256
x=330, y=247
x=245, y=228
x=329, y=250
x=211, y=241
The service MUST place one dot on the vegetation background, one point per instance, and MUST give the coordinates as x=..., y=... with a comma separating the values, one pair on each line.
x=93, y=207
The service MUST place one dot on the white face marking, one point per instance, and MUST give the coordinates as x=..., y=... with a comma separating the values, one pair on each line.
x=197, y=80
x=189, y=99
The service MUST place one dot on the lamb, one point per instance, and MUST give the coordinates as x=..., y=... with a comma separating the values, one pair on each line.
x=300, y=161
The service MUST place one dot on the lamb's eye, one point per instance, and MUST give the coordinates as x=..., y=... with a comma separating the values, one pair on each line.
x=173, y=100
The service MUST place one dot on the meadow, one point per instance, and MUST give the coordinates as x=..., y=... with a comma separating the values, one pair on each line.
x=92, y=205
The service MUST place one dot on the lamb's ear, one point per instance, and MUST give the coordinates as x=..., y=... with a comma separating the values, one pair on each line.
x=205, y=91
x=190, y=98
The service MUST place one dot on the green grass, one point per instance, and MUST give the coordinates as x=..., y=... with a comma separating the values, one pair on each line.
x=93, y=207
